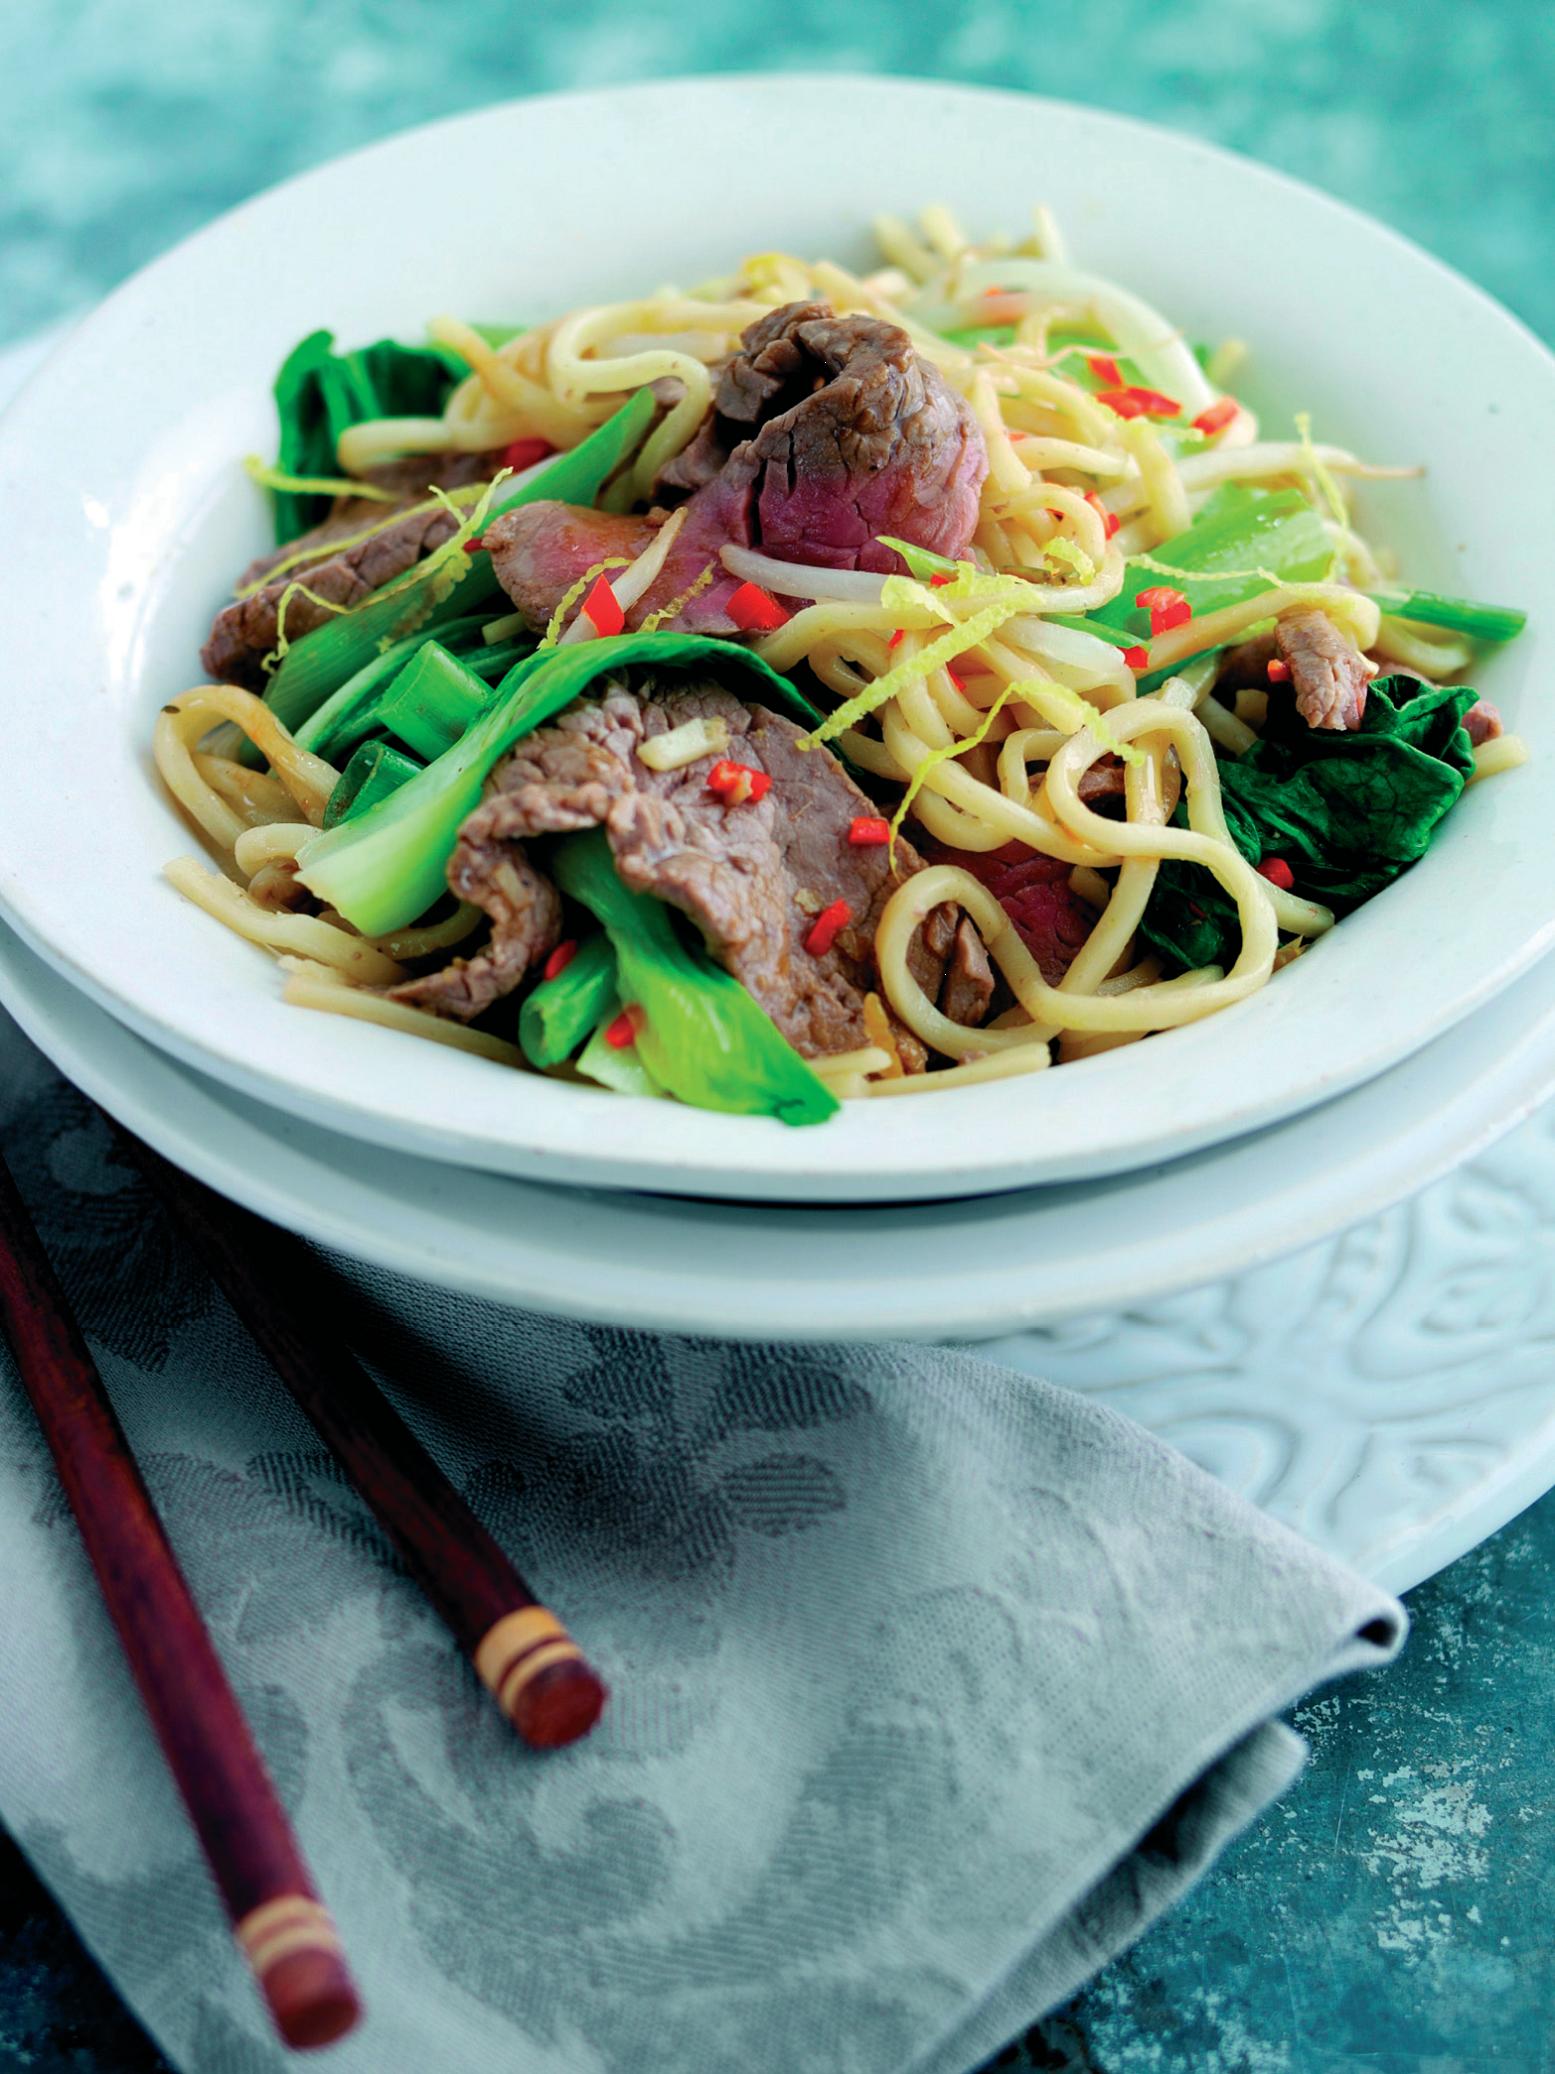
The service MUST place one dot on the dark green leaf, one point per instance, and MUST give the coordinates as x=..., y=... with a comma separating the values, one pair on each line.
x=1348, y=812
x=320, y=393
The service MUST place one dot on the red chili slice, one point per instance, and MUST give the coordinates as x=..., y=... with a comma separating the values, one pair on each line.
x=737, y=783
x=1277, y=670
x=1109, y=519
x=1167, y=607
x=523, y=453
x=622, y=1033
x=1135, y=402
x=1106, y=370
x=560, y=959
x=752, y=609
x=603, y=608
x=1137, y=658
x=1277, y=872
x=1217, y=417
x=868, y=831
x=823, y=930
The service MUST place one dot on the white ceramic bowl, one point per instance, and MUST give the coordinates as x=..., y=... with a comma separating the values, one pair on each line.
x=126, y=517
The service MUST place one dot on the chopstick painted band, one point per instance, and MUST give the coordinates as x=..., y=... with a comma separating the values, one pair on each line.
x=281, y=1928
x=516, y=1649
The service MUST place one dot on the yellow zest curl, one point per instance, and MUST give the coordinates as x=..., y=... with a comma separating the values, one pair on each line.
x=282, y=643
x=938, y=756
x=676, y=606
x=569, y=598
x=269, y=477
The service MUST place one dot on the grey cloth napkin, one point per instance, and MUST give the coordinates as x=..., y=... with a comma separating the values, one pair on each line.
x=932, y=1684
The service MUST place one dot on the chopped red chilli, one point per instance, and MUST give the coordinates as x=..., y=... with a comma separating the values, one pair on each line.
x=1137, y=658
x=602, y=608
x=556, y=964
x=1106, y=370
x=622, y=1033
x=1216, y=418
x=937, y=581
x=1167, y=607
x=1110, y=520
x=523, y=453
x=1277, y=872
x=737, y=783
x=1277, y=670
x=868, y=831
x=896, y=639
x=823, y=931
x=1134, y=402
x=473, y=547
x=752, y=609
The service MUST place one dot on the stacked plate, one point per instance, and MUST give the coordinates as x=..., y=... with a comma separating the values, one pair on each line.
x=1404, y=1042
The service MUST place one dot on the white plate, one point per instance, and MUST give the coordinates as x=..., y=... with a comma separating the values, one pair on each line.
x=1385, y=1394
x=126, y=516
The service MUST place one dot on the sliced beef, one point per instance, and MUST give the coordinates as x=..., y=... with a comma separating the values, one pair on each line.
x=525, y=910
x=1034, y=891
x=244, y=632
x=751, y=877
x=1483, y=721
x=968, y=984
x=824, y=433
x=540, y=550
x=1328, y=673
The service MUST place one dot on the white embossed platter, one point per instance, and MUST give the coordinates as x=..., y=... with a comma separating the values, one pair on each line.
x=1388, y=1392
x=128, y=516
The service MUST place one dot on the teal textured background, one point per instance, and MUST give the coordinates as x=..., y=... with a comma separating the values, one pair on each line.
x=1396, y=1912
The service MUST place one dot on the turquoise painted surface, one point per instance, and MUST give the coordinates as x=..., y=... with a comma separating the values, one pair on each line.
x=1396, y=1913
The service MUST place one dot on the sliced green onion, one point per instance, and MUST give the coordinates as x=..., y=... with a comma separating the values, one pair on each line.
x=1462, y=615
x=346, y=715
x=559, y=1014
x=432, y=701
x=375, y=770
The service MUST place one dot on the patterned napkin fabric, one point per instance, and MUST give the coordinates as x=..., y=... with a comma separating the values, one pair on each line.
x=932, y=1685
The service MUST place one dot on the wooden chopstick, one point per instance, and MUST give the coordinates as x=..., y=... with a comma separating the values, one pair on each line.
x=284, y=1930
x=522, y=1652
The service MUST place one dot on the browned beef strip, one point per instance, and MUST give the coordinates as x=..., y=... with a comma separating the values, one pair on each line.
x=1484, y=722
x=540, y=550
x=824, y=433
x=1328, y=673
x=525, y=910
x=752, y=877
x=968, y=987
x=244, y=632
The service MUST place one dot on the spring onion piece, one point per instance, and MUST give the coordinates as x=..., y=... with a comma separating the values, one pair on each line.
x=450, y=583
x=351, y=712
x=1462, y=615
x=432, y=701
x=559, y=1014
x=698, y=1032
x=376, y=770
x=387, y=868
